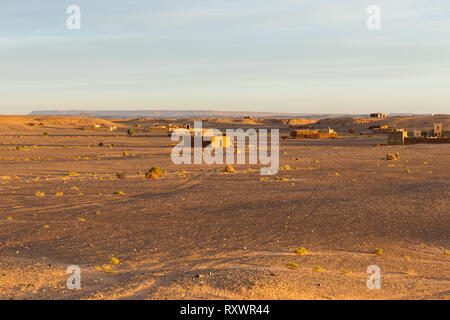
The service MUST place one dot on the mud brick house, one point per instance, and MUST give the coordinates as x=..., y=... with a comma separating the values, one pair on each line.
x=314, y=134
x=415, y=133
x=397, y=137
x=437, y=130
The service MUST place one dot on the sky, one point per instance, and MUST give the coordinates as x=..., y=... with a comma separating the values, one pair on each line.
x=303, y=56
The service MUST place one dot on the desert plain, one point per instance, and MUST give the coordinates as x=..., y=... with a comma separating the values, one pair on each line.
x=197, y=232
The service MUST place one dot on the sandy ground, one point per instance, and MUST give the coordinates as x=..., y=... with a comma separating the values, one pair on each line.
x=203, y=234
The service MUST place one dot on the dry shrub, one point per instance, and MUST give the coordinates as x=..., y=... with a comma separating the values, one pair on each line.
x=391, y=157
x=317, y=269
x=105, y=269
x=229, y=169
x=291, y=265
x=153, y=173
x=300, y=251
x=121, y=175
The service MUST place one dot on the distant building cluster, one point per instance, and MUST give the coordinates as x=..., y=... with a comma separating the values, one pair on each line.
x=101, y=127
x=314, y=134
x=436, y=135
x=378, y=115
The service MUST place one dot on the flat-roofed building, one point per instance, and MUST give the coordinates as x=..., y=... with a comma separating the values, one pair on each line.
x=396, y=137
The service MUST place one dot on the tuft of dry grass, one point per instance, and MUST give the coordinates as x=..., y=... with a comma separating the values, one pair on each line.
x=300, y=251
x=121, y=175
x=154, y=173
x=105, y=268
x=391, y=157
x=378, y=251
x=317, y=269
x=410, y=273
x=229, y=169
x=291, y=265
x=346, y=272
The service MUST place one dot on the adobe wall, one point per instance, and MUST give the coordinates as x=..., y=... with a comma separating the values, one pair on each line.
x=414, y=140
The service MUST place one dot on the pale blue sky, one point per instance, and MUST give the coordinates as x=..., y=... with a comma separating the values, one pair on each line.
x=287, y=55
